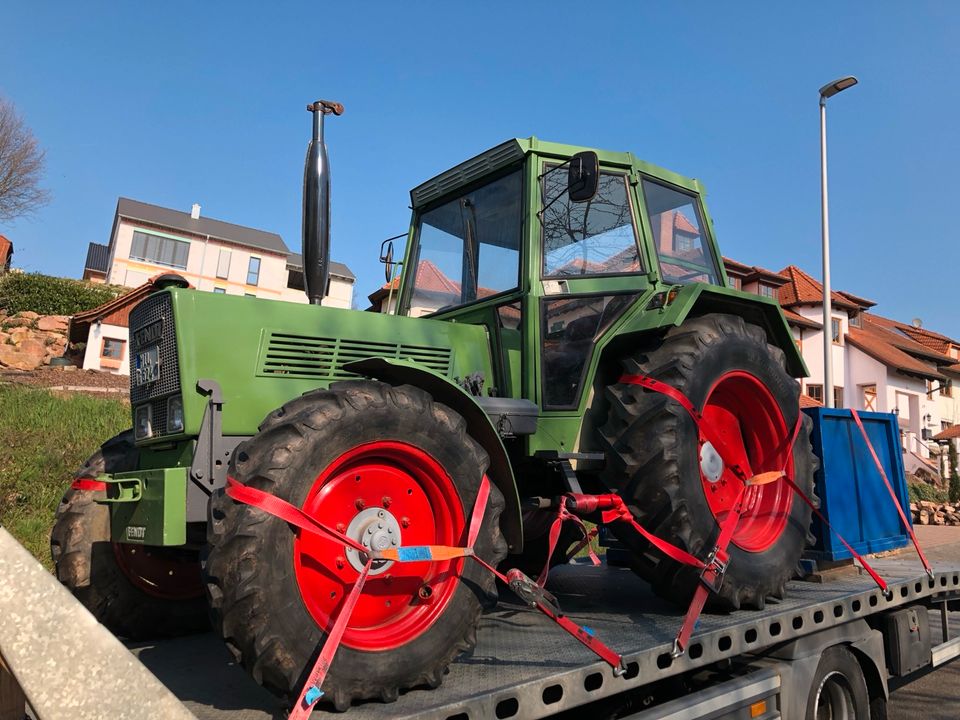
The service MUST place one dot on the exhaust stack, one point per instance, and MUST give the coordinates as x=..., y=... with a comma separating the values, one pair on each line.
x=316, y=205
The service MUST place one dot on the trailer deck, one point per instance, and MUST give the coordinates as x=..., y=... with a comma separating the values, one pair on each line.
x=524, y=666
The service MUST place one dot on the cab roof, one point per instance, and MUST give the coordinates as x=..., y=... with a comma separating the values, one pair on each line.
x=513, y=150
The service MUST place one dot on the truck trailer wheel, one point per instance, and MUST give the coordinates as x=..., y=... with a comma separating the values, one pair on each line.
x=137, y=591
x=388, y=467
x=739, y=382
x=839, y=689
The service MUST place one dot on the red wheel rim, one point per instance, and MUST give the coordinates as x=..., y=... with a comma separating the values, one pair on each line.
x=160, y=573
x=742, y=411
x=403, y=601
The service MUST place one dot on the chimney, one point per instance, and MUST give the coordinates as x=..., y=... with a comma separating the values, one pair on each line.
x=195, y=211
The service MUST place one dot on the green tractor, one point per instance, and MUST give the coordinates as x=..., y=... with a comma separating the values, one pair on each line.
x=535, y=275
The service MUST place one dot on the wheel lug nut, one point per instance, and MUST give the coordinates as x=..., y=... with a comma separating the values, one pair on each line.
x=360, y=504
x=369, y=531
x=386, y=501
x=405, y=522
x=393, y=541
x=380, y=526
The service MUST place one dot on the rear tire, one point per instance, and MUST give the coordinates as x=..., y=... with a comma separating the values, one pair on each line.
x=138, y=592
x=729, y=372
x=359, y=447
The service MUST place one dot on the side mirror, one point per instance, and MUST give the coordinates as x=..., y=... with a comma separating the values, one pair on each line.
x=386, y=257
x=583, y=176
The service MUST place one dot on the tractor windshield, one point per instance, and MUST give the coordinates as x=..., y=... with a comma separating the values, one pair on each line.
x=468, y=248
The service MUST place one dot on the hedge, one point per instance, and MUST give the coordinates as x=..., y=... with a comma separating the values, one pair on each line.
x=49, y=295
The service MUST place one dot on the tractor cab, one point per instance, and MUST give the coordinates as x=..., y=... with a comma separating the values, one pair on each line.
x=549, y=246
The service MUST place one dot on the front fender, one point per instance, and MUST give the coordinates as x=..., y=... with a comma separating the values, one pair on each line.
x=404, y=372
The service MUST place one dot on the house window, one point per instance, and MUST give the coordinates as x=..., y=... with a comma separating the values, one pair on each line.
x=223, y=264
x=159, y=250
x=835, y=330
x=253, y=271
x=767, y=291
x=946, y=388
x=111, y=353
x=855, y=320
x=870, y=398
x=735, y=283
x=838, y=397
x=816, y=392
x=112, y=348
x=220, y=291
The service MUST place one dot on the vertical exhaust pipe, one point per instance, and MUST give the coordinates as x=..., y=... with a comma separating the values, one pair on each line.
x=316, y=205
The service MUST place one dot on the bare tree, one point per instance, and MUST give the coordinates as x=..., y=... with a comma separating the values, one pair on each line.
x=21, y=165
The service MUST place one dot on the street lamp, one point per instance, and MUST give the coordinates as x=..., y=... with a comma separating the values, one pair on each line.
x=827, y=91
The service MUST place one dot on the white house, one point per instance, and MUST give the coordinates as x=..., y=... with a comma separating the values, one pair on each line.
x=211, y=254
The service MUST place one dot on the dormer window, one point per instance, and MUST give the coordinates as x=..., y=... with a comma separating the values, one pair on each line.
x=766, y=290
x=855, y=320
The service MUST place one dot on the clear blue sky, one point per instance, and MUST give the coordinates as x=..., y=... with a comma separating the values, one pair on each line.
x=175, y=103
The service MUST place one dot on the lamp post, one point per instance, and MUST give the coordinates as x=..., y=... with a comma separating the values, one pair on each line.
x=827, y=91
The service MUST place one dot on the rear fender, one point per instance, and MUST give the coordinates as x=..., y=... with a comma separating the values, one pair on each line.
x=403, y=372
x=701, y=299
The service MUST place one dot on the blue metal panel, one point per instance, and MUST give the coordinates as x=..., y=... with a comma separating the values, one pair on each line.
x=852, y=493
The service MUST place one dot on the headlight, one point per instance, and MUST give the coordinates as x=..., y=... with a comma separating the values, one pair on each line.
x=175, y=414
x=143, y=422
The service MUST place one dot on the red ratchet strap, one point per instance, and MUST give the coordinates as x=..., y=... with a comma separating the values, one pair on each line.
x=273, y=505
x=311, y=692
x=893, y=495
x=535, y=596
x=88, y=484
x=564, y=515
x=706, y=432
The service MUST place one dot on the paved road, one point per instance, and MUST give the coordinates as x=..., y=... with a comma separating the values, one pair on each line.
x=200, y=671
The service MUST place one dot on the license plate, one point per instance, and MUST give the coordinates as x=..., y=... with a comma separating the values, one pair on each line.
x=147, y=369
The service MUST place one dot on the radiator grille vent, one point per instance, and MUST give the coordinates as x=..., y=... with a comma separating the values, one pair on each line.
x=305, y=356
x=157, y=309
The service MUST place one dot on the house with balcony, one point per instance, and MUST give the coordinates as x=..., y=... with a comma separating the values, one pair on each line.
x=211, y=254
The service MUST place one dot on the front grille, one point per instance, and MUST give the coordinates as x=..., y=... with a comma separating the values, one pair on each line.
x=156, y=308
x=323, y=358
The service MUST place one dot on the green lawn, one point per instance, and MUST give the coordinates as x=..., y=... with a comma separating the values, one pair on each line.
x=44, y=438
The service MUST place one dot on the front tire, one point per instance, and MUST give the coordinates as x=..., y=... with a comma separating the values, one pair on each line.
x=138, y=592
x=739, y=382
x=378, y=463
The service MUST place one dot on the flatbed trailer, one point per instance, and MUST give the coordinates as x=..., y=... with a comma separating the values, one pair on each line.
x=745, y=664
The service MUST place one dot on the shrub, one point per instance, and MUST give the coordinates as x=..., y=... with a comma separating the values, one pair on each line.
x=922, y=491
x=49, y=295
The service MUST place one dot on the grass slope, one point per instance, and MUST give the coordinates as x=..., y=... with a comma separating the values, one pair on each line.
x=44, y=438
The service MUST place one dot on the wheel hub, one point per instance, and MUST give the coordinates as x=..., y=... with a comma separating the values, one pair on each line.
x=376, y=529
x=711, y=464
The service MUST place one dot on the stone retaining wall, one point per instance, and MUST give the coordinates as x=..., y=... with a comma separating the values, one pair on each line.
x=29, y=340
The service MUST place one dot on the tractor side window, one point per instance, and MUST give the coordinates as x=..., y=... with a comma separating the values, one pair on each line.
x=468, y=248
x=571, y=327
x=684, y=251
x=596, y=237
